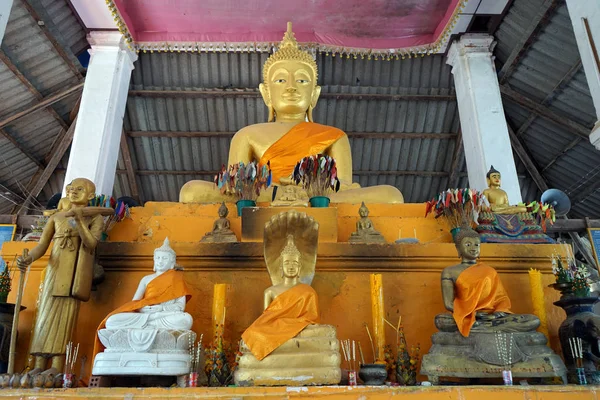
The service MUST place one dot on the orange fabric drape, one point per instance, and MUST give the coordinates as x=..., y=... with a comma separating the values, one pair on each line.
x=168, y=286
x=304, y=139
x=477, y=288
x=284, y=318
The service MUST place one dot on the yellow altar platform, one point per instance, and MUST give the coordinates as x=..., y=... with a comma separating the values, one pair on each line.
x=411, y=274
x=329, y=393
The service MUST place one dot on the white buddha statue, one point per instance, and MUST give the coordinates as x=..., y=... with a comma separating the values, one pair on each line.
x=152, y=331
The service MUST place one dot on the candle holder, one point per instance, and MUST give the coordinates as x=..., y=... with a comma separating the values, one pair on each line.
x=352, y=380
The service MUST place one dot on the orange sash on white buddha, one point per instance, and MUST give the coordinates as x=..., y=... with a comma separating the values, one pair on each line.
x=284, y=318
x=477, y=288
x=303, y=140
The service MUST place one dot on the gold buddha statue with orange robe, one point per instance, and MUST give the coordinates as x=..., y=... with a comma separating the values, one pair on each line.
x=286, y=345
x=290, y=92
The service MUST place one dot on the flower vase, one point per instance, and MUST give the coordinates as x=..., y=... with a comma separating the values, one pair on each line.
x=319, y=201
x=580, y=319
x=244, y=203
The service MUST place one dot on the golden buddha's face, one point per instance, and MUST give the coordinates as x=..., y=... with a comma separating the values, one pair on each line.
x=290, y=88
x=363, y=212
x=80, y=191
x=494, y=179
x=163, y=261
x=291, y=265
x=469, y=248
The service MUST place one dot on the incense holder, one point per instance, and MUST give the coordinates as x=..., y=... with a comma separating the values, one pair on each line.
x=373, y=374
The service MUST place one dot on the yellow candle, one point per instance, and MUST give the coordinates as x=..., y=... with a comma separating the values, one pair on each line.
x=537, y=298
x=378, y=316
x=218, y=309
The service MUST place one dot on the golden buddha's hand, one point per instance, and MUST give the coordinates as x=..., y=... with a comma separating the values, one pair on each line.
x=286, y=181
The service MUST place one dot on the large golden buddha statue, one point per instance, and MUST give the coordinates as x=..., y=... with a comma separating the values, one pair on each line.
x=286, y=345
x=290, y=92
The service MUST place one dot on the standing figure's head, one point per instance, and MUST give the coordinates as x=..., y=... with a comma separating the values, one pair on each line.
x=290, y=259
x=468, y=244
x=493, y=178
x=223, y=211
x=164, y=257
x=80, y=191
x=363, y=211
x=289, y=86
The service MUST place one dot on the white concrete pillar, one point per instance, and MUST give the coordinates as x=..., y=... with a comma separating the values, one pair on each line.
x=5, y=7
x=97, y=136
x=585, y=17
x=484, y=130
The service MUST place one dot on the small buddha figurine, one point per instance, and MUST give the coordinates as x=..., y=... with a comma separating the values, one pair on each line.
x=474, y=341
x=290, y=195
x=286, y=345
x=290, y=92
x=497, y=197
x=365, y=233
x=221, y=232
x=151, y=329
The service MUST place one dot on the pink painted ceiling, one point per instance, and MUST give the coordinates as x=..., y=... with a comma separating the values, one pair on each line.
x=375, y=24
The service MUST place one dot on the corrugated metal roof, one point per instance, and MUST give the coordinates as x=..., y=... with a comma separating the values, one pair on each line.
x=564, y=159
x=32, y=53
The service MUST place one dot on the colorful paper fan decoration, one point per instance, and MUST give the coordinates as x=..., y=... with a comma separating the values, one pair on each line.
x=121, y=210
x=459, y=207
x=244, y=180
x=318, y=174
x=544, y=212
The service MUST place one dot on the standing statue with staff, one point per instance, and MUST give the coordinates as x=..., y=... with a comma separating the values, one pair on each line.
x=75, y=231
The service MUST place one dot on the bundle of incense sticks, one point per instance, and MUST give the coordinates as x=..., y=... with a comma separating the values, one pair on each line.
x=195, y=351
x=576, y=347
x=71, y=358
x=349, y=351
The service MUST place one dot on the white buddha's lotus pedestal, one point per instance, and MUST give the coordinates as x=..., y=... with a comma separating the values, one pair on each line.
x=144, y=352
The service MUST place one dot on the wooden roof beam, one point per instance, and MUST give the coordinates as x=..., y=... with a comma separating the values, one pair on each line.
x=529, y=36
x=255, y=94
x=574, y=127
x=48, y=101
x=459, y=154
x=527, y=160
x=129, y=168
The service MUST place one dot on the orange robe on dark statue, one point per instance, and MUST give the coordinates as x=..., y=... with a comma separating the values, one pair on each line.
x=477, y=288
x=286, y=316
x=169, y=285
x=303, y=140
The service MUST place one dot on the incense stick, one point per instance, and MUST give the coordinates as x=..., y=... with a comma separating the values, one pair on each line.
x=371, y=340
x=362, y=357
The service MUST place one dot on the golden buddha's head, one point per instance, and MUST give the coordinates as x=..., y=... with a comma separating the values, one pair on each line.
x=468, y=244
x=164, y=257
x=290, y=259
x=289, y=86
x=223, y=211
x=493, y=177
x=80, y=191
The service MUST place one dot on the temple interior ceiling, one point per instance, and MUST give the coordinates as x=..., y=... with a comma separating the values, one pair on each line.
x=401, y=115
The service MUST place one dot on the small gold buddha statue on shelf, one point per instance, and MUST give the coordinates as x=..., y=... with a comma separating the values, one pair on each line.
x=365, y=232
x=290, y=92
x=286, y=345
x=221, y=232
x=467, y=344
x=497, y=197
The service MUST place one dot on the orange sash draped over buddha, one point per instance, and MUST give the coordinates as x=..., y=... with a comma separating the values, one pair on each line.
x=477, y=288
x=167, y=286
x=284, y=318
x=304, y=139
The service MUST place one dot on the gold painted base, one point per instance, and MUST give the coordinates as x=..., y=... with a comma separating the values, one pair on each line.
x=310, y=358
